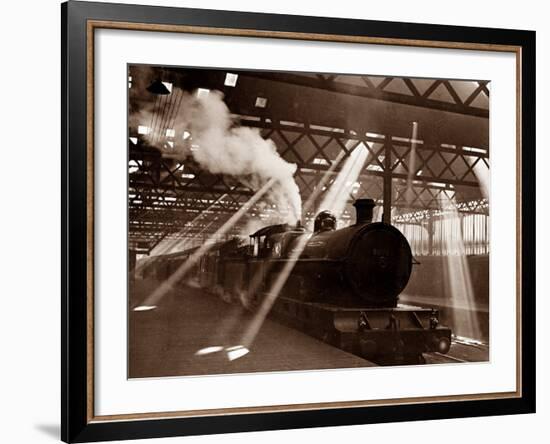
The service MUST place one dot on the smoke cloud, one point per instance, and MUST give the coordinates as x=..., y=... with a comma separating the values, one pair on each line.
x=215, y=140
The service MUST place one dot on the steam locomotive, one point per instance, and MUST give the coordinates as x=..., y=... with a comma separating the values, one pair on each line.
x=341, y=286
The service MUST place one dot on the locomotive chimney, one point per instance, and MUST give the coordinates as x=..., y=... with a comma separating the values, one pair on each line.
x=363, y=209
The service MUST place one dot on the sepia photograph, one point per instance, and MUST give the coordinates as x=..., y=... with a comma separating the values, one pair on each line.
x=290, y=221
x=277, y=222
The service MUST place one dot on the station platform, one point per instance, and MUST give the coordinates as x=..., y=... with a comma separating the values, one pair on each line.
x=193, y=332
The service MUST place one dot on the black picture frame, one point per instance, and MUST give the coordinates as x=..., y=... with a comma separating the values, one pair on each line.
x=77, y=424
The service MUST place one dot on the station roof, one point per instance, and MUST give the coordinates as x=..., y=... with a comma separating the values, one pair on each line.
x=311, y=118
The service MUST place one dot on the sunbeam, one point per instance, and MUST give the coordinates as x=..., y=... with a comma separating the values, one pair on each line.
x=458, y=278
x=481, y=171
x=340, y=190
x=173, y=245
x=175, y=277
x=409, y=193
x=274, y=291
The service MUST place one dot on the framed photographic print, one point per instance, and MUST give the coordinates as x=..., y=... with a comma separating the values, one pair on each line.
x=276, y=221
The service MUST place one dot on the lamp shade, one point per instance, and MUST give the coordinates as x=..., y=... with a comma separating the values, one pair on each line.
x=157, y=87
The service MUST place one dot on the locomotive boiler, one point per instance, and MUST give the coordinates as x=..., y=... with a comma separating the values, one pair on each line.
x=341, y=286
x=368, y=263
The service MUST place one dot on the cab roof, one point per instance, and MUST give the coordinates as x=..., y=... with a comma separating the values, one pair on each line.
x=274, y=229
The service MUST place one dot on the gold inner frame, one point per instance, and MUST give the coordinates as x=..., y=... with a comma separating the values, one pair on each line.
x=92, y=25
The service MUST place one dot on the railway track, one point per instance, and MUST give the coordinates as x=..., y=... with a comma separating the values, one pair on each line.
x=461, y=351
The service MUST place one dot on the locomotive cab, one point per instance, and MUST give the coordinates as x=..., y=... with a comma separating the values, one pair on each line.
x=276, y=241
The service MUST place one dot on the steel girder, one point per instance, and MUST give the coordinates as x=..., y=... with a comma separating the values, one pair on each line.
x=166, y=193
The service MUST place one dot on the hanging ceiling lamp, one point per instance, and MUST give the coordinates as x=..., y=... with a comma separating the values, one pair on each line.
x=157, y=87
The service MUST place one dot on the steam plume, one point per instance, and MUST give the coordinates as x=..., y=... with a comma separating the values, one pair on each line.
x=219, y=145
